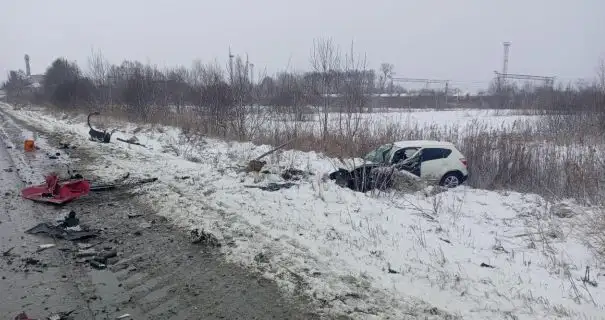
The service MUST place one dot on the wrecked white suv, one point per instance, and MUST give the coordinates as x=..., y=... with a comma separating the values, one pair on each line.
x=433, y=161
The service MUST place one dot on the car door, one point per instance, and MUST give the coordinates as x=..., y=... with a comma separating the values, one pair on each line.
x=432, y=164
x=411, y=164
x=403, y=154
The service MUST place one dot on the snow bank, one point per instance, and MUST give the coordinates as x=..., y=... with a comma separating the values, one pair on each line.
x=464, y=252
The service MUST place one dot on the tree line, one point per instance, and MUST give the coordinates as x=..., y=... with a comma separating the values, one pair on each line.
x=337, y=80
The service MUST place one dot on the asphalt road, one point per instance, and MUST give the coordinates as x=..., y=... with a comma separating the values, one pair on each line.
x=158, y=272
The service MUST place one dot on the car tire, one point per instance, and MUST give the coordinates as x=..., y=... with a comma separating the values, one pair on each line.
x=451, y=180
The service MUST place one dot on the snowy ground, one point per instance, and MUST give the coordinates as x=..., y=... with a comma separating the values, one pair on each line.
x=448, y=120
x=470, y=253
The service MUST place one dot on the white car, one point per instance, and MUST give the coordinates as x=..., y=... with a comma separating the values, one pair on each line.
x=434, y=161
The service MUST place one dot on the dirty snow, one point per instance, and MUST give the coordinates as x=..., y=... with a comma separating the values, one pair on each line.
x=471, y=253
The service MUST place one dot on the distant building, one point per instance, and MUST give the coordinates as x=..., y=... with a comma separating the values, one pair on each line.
x=36, y=80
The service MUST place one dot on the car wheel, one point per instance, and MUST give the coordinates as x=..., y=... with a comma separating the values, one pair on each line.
x=451, y=180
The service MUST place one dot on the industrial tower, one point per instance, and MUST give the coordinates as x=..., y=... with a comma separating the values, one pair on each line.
x=506, y=45
x=27, y=68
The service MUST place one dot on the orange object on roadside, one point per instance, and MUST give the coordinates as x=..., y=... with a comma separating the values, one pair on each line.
x=29, y=145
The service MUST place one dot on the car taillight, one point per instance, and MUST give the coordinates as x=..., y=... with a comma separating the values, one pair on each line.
x=463, y=161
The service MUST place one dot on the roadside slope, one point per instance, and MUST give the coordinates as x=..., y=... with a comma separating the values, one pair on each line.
x=159, y=273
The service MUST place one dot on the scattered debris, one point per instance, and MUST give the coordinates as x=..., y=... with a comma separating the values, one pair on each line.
x=132, y=140
x=204, y=238
x=113, y=186
x=97, y=265
x=70, y=220
x=74, y=175
x=145, y=225
x=23, y=316
x=498, y=247
x=262, y=257
x=256, y=165
x=104, y=256
x=7, y=253
x=96, y=135
x=445, y=240
x=273, y=186
x=392, y=271
x=60, y=315
x=55, y=191
x=43, y=247
x=84, y=246
x=586, y=278
x=562, y=210
x=294, y=174
x=66, y=145
x=60, y=232
x=31, y=261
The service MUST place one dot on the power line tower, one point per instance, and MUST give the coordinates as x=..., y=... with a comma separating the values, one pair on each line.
x=547, y=81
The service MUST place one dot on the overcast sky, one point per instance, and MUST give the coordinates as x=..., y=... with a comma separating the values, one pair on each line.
x=459, y=40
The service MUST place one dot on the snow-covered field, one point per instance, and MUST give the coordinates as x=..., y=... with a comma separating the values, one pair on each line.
x=452, y=119
x=471, y=253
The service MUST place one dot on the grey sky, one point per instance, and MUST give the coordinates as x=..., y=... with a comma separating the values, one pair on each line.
x=452, y=39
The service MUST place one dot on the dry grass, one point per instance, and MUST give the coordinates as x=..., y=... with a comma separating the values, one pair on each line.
x=556, y=156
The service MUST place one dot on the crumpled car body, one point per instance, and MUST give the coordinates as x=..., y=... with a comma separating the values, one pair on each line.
x=431, y=161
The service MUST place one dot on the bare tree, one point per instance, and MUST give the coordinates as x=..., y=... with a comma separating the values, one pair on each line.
x=325, y=60
x=98, y=72
x=196, y=73
x=356, y=86
x=240, y=87
x=386, y=73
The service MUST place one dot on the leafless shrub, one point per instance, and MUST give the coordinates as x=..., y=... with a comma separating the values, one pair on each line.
x=325, y=61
